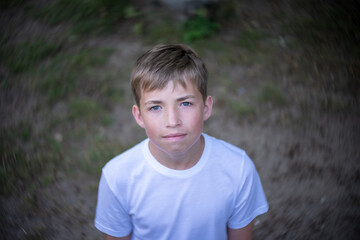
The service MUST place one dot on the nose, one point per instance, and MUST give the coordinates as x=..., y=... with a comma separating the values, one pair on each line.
x=173, y=118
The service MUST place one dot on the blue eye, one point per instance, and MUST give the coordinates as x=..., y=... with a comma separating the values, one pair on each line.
x=186, y=104
x=155, y=108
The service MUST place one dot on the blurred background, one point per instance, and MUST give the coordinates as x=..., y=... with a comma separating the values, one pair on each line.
x=284, y=76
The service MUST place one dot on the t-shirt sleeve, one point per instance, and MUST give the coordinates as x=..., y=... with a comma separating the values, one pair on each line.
x=250, y=200
x=111, y=217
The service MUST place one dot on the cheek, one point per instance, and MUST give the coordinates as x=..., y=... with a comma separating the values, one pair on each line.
x=197, y=121
x=151, y=128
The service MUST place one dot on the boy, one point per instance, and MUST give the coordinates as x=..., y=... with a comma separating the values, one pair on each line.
x=179, y=183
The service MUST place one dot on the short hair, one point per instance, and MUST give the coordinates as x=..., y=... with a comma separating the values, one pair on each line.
x=164, y=63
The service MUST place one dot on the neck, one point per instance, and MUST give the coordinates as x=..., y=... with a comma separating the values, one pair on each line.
x=179, y=161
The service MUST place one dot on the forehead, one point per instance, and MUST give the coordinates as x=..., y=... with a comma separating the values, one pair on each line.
x=171, y=87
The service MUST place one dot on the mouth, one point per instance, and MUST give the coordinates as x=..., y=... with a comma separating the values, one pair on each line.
x=174, y=137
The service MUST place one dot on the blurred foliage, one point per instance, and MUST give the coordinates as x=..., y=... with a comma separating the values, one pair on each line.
x=271, y=94
x=97, y=154
x=5, y=4
x=63, y=73
x=161, y=32
x=240, y=109
x=334, y=24
x=199, y=27
x=21, y=160
x=85, y=109
x=249, y=39
x=88, y=16
x=24, y=55
x=67, y=72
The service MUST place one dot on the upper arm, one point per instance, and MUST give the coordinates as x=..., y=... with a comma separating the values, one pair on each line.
x=108, y=237
x=244, y=233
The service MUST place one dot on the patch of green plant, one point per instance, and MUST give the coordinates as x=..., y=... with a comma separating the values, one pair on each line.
x=272, y=94
x=98, y=155
x=16, y=166
x=163, y=31
x=239, y=108
x=249, y=39
x=131, y=12
x=63, y=73
x=225, y=11
x=90, y=16
x=115, y=94
x=20, y=57
x=107, y=87
x=85, y=109
x=107, y=120
x=22, y=132
x=23, y=163
x=138, y=28
x=199, y=27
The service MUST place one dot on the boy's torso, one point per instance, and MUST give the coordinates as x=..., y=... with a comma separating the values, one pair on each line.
x=194, y=202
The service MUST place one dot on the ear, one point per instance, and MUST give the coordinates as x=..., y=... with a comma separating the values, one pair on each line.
x=208, y=107
x=137, y=115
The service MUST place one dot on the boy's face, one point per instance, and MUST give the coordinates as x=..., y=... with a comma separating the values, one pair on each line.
x=173, y=117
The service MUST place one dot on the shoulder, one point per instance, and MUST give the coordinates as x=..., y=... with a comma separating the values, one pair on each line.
x=228, y=153
x=124, y=164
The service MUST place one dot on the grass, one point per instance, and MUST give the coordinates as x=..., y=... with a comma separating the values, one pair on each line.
x=5, y=4
x=97, y=155
x=25, y=55
x=250, y=39
x=85, y=109
x=168, y=30
x=270, y=93
x=24, y=159
x=18, y=166
x=164, y=31
x=87, y=17
x=199, y=27
x=240, y=109
x=327, y=25
x=63, y=74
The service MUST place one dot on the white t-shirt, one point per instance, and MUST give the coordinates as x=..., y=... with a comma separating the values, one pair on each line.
x=138, y=194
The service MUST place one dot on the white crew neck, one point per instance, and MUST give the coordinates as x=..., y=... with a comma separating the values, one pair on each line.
x=157, y=166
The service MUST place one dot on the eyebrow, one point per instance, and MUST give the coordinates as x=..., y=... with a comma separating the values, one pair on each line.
x=185, y=98
x=151, y=102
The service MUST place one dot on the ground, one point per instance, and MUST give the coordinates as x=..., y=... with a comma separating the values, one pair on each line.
x=285, y=89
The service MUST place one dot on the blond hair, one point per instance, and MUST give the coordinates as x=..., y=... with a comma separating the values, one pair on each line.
x=165, y=63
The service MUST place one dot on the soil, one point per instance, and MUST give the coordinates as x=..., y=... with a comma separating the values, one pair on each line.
x=307, y=156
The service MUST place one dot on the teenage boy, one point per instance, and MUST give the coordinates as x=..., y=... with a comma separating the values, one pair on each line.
x=179, y=183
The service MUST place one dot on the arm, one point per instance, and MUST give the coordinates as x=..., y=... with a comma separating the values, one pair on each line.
x=108, y=237
x=244, y=233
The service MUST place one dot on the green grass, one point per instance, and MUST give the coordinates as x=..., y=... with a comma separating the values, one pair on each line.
x=85, y=109
x=89, y=16
x=270, y=93
x=240, y=109
x=97, y=155
x=17, y=166
x=63, y=74
x=25, y=55
x=27, y=158
x=161, y=32
x=250, y=39
x=199, y=27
